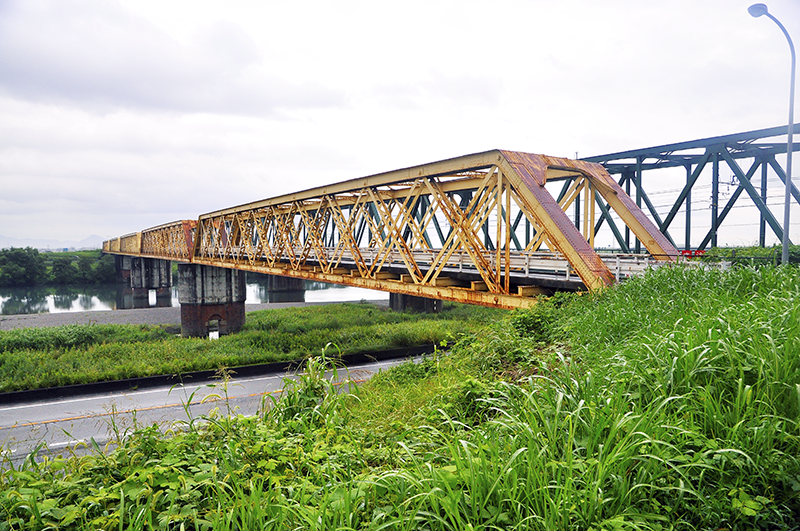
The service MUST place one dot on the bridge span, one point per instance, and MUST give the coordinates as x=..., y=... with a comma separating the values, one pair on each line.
x=489, y=228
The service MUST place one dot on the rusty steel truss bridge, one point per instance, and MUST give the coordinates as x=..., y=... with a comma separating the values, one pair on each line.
x=496, y=228
x=481, y=228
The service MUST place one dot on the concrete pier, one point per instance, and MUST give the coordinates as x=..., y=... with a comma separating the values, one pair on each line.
x=212, y=300
x=137, y=276
x=150, y=273
x=400, y=302
x=285, y=289
x=123, y=266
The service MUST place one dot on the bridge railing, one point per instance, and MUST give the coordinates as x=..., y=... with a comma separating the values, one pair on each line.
x=523, y=265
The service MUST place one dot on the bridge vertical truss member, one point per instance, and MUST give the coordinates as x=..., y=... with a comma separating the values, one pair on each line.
x=482, y=229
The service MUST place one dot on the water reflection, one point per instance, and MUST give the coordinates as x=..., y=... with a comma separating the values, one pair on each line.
x=324, y=292
x=51, y=299
x=63, y=297
x=86, y=301
x=259, y=292
x=14, y=301
x=285, y=296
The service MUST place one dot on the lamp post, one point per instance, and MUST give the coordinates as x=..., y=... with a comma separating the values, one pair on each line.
x=756, y=10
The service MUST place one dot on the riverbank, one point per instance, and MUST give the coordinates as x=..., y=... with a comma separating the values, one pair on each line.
x=32, y=358
x=139, y=316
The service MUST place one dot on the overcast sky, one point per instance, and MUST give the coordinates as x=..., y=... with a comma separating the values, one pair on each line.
x=118, y=115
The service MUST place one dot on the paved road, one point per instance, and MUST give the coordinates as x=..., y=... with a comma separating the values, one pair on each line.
x=62, y=425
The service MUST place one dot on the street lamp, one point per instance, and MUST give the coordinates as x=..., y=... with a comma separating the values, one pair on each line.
x=756, y=10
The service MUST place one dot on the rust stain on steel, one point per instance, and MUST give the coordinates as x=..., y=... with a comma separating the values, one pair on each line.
x=189, y=225
x=532, y=172
x=633, y=216
x=170, y=241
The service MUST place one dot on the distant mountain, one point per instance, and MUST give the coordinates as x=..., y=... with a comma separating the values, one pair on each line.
x=92, y=242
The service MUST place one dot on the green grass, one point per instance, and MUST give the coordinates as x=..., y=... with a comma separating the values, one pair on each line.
x=669, y=402
x=753, y=255
x=44, y=357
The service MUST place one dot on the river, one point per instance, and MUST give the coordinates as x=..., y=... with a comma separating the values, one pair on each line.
x=81, y=298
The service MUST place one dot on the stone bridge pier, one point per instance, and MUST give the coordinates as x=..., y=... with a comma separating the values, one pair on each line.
x=212, y=300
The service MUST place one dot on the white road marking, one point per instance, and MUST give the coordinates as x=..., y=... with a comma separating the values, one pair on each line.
x=135, y=392
x=66, y=443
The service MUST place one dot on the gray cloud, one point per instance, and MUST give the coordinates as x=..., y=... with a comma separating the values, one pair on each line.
x=94, y=54
x=453, y=90
x=122, y=114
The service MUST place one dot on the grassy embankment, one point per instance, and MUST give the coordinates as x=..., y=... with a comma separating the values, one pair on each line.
x=670, y=402
x=32, y=358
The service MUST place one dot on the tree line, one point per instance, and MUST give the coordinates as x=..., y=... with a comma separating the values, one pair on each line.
x=22, y=267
